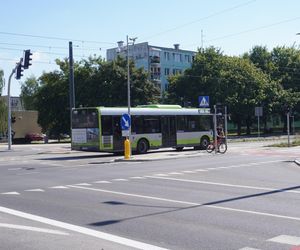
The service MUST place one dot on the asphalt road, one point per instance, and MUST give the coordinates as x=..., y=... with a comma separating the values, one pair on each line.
x=51, y=198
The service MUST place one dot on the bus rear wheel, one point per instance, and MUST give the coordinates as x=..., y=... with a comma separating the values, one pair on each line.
x=142, y=146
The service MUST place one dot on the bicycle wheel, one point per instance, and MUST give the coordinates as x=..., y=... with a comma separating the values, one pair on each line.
x=210, y=148
x=222, y=148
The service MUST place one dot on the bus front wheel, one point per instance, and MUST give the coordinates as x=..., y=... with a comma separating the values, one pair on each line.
x=204, y=142
x=142, y=146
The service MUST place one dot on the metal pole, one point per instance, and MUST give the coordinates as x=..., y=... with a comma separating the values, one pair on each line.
x=225, y=117
x=293, y=117
x=288, y=126
x=128, y=93
x=215, y=128
x=9, y=138
x=258, y=126
x=71, y=82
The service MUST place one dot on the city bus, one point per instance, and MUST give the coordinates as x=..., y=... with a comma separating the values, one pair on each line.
x=152, y=127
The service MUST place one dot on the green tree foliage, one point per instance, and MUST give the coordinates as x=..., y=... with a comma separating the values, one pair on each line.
x=283, y=66
x=97, y=83
x=28, y=91
x=232, y=81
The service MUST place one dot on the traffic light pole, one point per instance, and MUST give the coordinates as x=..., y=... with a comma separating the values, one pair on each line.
x=9, y=109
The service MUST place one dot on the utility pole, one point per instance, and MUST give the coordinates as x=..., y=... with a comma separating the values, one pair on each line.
x=288, y=126
x=215, y=129
x=71, y=82
x=9, y=137
x=201, y=39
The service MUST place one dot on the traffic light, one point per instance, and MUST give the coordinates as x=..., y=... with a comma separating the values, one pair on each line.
x=27, y=59
x=19, y=71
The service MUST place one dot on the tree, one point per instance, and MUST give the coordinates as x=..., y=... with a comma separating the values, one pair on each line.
x=97, y=83
x=52, y=104
x=28, y=91
x=232, y=81
x=283, y=66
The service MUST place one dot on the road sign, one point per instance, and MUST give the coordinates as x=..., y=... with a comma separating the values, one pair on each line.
x=203, y=101
x=125, y=122
x=258, y=111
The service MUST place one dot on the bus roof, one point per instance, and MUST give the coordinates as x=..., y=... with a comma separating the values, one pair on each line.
x=153, y=111
x=160, y=106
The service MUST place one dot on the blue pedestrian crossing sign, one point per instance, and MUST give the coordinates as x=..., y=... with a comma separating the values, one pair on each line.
x=125, y=122
x=203, y=101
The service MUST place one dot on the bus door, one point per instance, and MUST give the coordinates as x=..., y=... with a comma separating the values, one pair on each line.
x=118, y=140
x=168, y=130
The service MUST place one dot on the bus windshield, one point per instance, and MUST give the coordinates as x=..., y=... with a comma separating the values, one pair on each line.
x=85, y=118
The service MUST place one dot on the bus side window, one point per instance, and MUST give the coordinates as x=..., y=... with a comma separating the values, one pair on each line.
x=137, y=124
x=106, y=125
x=181, y=120
x=151, y=124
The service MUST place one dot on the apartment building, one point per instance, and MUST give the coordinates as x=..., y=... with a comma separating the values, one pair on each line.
x=160, y=62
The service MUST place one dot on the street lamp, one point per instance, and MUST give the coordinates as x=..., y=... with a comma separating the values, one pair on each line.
x=132, y=41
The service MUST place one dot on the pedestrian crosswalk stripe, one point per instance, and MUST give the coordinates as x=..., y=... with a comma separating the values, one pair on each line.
x=16, y=193
x=286, y=239
x=35, y=190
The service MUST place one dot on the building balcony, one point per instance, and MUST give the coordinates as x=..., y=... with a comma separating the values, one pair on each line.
x=154, y=59
x=155, y=76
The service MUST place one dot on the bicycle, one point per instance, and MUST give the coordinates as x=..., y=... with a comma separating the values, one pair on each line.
x=221, y=146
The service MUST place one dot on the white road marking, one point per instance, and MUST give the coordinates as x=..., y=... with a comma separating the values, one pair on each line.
x=83, y=230
x=279, y=216
x=160, y=175
x=286, y=239
x=102, y=182
x=35, y=229
x=13, y=169
x=11, y=193
x=244, y=165
x=189, y=172
x=119, y=179
x=59, y=187
x=29, y=173
x=138, y=177
x=249, y=248
x=83, y=184
x=201, y=170
x=226, y=184
x=35, y=190
x=176, y=173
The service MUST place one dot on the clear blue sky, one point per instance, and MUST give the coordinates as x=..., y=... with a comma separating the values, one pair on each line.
x=235, y=26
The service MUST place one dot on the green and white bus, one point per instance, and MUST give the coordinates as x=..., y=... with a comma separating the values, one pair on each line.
x=152, y=127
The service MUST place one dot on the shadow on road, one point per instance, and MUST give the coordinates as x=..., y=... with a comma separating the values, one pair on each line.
x=175, y=209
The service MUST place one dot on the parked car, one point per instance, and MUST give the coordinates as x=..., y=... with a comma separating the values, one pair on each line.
x=34, y=137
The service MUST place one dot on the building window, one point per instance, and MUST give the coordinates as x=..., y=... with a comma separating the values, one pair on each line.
x=177, y=71
x=176, y=57
x=187, y=58
x=167, y=56
x=167, y=71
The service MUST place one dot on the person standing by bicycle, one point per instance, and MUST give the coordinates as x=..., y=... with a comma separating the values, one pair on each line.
x=220, y=134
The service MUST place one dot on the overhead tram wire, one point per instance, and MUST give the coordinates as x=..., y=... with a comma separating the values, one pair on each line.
x=248, y=31
x=53, y=38
x=201, y=19
x=77, y=47
x=254, y=29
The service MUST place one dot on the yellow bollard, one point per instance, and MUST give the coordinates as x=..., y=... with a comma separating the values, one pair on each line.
x=127, y=149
